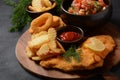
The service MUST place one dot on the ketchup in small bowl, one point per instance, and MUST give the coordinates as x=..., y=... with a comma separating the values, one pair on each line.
x=70, y=35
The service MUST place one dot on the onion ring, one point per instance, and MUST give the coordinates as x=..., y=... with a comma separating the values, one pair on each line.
x=56, y=21
x=41, y=23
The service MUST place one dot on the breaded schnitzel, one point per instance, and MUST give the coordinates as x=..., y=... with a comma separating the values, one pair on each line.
x=90, y=59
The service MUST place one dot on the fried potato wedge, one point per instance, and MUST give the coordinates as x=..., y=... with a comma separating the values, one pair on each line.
x=44, y=49
x=39, y=34
x=31, y=8
x=37, y=5
x=37, y=42
x=36, y=58
x=60, y=46
x=47, y=3
x=53, y=47
x=52, y=34
x=53, y=43
x=29, y=52
x=44, y=52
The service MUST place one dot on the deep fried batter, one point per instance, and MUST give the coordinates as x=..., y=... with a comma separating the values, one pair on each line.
x=41, y=23
x=89, y=58
x=44, y=22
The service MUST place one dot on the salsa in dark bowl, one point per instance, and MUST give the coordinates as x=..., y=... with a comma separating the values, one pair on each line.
x=86, y=22
x=87, y=7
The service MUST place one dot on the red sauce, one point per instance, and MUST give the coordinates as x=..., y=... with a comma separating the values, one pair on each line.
x=87, y=7
x=69, y=36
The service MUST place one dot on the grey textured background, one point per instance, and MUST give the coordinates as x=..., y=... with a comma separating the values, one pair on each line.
x=10, y=69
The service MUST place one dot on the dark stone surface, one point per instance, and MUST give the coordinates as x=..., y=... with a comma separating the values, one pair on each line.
x=10, y=69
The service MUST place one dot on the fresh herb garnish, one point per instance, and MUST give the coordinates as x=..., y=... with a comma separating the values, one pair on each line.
x=58, y=7
x=97, y=6
x=20, y=17
x=10, y=3
x=72, y=53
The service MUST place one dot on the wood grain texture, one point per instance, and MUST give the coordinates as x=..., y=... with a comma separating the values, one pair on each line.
x=112, y=59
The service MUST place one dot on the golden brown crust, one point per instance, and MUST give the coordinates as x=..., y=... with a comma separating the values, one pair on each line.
x=89, y=59
x=44, y=45
x=41, y=5
x=44, y=22
x=41, y=23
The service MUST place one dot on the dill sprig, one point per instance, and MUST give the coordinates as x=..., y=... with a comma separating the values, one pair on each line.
x=10, y=3
x=20, y=17
x=58, y=7
x=72, y=53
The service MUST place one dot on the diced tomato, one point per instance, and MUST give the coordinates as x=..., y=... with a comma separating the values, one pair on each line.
x=102, y=3
x=87, y=6
x=83, y=6
x=93, y=11
x=70, y=10
x=77, y=1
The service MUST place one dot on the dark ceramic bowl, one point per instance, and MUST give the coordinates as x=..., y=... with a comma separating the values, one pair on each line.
x=36, y=14
x=88, y=21
x=68, y=28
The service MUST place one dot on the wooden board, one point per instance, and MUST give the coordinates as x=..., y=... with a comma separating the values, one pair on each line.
x=31, y=66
